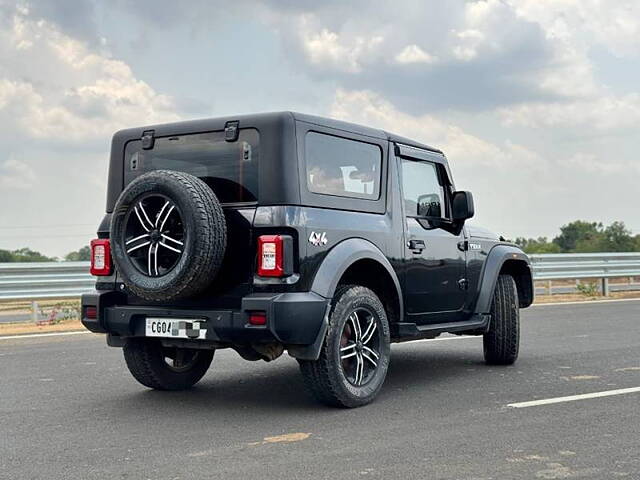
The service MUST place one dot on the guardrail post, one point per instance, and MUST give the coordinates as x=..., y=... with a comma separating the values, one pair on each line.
x=549, y=288
x=605, y=287
x=34, y=312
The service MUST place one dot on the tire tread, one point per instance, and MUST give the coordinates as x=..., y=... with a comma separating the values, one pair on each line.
x=501, y=342
x=142, y=358
x=210, y=237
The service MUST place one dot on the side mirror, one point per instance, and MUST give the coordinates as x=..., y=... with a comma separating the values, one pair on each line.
x=429, y=205
x=462, y=206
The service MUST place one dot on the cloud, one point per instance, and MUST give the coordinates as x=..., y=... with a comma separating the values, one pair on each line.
x=53, y=86
x=614, y=25
x=61, y=99
x=326, y=48
x=468, y=43
x=600, y=114
x=463, y=55
x=414, y=54
x=75, y=17
x=371, y=109
x=15, y=174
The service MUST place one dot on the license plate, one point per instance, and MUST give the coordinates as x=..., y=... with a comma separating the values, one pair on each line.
x=176, y=328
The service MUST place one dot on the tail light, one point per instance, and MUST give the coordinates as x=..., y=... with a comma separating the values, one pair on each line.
x=258, y=318
x=275, y=255
x=91, y=312
x=100, y=257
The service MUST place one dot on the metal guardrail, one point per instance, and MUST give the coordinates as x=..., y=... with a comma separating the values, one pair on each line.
x=602, y=266
x=33, y=281
x=556, y=266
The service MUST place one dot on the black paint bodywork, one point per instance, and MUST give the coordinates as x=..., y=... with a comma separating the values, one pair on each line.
x=445, y=287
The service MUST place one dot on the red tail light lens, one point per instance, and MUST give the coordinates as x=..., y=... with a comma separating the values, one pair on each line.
x=100, y=257
x=258, y=318
x=91, y=313
x=270, y=256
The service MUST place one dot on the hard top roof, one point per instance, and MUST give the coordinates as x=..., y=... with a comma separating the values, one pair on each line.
x=217, y=123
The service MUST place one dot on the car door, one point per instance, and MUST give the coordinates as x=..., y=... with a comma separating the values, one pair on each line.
x=434, y=258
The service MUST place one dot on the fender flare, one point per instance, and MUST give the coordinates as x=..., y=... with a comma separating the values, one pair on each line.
x=341, y=257
x=496, y=258
x=325, y=282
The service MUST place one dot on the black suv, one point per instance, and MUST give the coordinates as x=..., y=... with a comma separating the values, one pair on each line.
x=281, y=231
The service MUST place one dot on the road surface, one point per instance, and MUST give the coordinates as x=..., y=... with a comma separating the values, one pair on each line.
x=69, y=409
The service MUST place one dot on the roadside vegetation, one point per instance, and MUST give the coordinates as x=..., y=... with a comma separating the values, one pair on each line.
x=584, y=237
x=23, y=255
x=28, y=255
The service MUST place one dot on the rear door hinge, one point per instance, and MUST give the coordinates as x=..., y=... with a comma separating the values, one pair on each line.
x=463, y=284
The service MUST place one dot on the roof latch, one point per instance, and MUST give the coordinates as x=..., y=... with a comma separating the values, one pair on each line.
x=148, y=139
x=231, y=131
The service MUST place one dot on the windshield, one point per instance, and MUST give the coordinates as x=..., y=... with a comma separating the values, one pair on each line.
x=229, y=168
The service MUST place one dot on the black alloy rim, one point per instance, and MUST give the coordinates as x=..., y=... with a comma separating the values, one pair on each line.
x=154, y=235
x=360, y=347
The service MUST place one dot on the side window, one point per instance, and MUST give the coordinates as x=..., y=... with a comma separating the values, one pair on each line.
x=342, y=167
x=424, y=196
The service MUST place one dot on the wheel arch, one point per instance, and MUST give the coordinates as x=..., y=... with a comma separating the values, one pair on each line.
x=521, y=273
x=505, y=259
x=360, y=262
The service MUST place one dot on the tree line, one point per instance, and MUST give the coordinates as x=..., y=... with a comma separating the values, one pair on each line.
x=28, y=255
x=584, y=237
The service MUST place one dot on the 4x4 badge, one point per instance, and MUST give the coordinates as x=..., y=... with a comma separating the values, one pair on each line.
x=318, y=239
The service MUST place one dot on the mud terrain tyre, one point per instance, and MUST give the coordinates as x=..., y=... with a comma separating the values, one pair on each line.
x=164, y=368
x=501, y=342
x=355, y=355
x=168, y=236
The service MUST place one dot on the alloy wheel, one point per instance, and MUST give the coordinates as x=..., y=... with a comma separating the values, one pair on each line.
x=154, y=235
x=360, y=347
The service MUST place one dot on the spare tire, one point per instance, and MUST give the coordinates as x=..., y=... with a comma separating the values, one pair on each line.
x=168, y=236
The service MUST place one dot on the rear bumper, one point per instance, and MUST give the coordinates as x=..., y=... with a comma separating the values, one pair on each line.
x=292, y=318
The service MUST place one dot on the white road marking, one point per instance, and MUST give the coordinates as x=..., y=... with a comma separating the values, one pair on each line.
x=587, y=302
x=573, y=398
x=36, y=335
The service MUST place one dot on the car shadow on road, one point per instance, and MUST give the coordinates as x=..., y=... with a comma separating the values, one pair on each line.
x=425, y=368
x=278, y=389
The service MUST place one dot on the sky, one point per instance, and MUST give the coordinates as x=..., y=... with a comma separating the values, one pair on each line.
x=536, y=103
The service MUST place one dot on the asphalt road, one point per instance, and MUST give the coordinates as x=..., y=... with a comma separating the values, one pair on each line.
x=69, y=409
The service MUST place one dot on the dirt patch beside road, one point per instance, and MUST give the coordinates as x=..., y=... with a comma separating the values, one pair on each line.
x=30, y=328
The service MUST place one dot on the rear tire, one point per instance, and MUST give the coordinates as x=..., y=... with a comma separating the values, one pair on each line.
x=501, y=342
x=148, y=362
x=352, y=367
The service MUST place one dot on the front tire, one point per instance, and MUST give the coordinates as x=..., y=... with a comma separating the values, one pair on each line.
x=355, y=355
x=165, y=368
x=501, y=342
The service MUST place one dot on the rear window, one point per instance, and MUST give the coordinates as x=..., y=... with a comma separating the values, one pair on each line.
x=229, y=168
x=342, y=167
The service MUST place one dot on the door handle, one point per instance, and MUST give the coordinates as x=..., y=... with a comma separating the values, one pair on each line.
x=416, y=246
